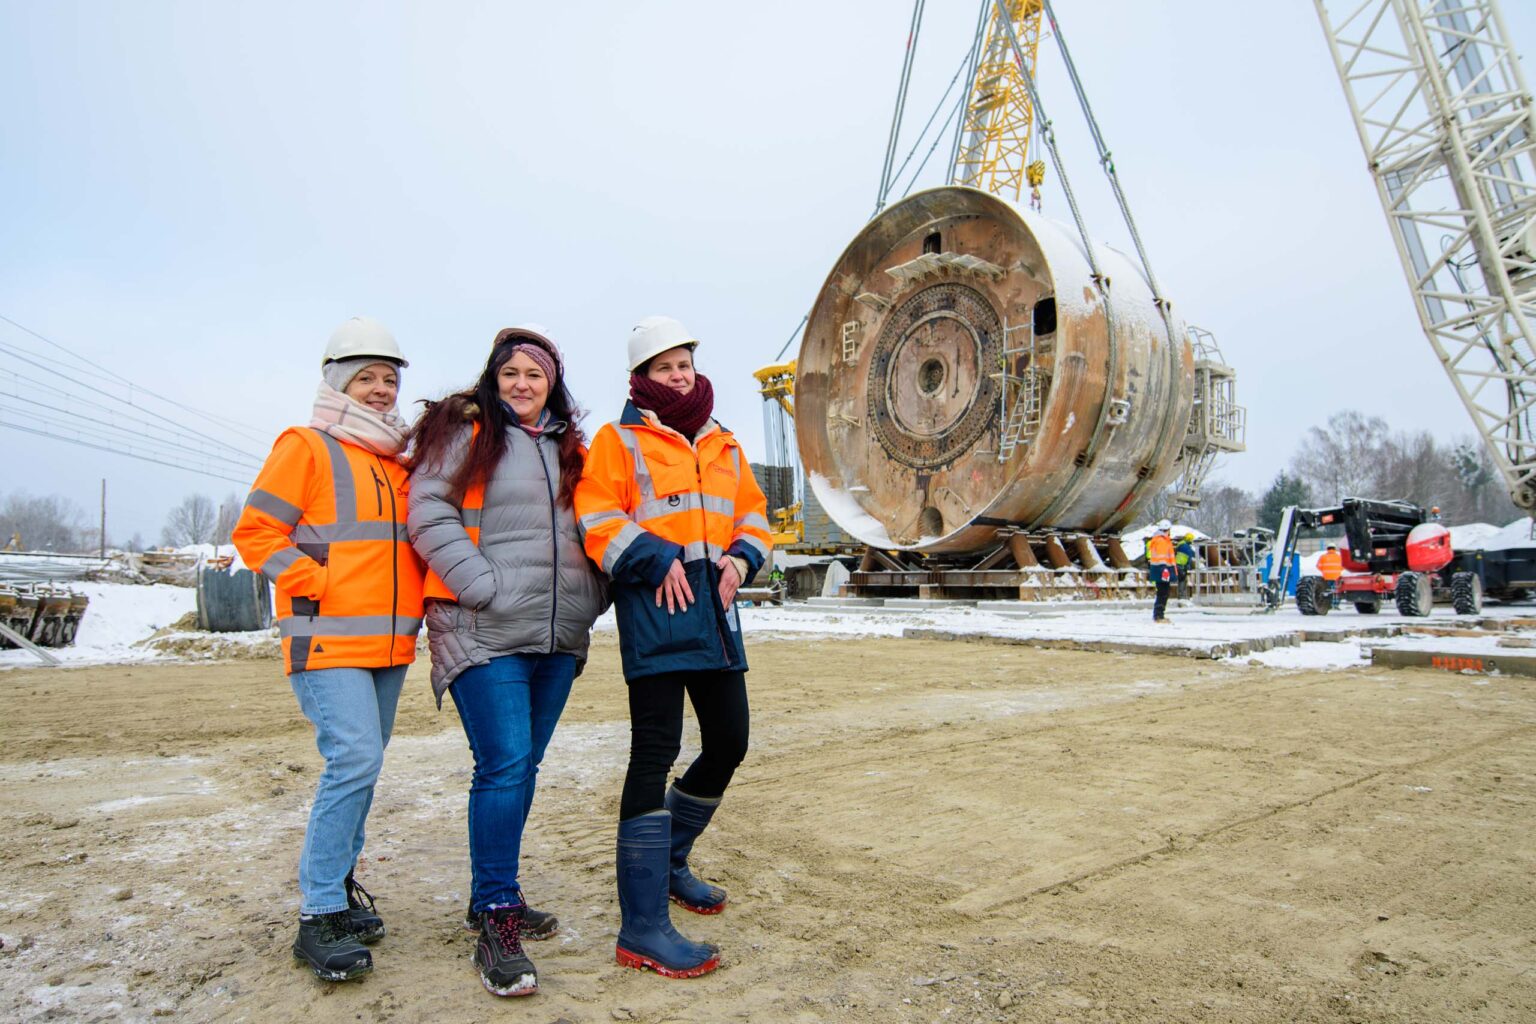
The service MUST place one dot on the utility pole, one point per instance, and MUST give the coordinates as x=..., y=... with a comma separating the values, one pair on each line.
x=103, y=517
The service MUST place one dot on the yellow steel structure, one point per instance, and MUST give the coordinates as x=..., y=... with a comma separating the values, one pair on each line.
x=999, y=118
x=776, y=383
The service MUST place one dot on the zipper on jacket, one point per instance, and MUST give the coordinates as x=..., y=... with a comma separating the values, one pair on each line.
x=378, y=491
x=394, y=557
x=554, y=544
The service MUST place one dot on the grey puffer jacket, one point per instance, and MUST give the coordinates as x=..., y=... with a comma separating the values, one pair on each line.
x=527, y=587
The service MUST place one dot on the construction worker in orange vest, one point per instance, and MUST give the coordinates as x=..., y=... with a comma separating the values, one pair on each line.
x=326, y=523
x=1330, y=564
x=1161, y=566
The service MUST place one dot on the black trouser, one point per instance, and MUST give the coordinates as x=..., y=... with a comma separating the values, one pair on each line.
x=1160, y=605
x=656, y=736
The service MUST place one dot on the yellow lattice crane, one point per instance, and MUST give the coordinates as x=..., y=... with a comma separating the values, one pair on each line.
x=998, y=122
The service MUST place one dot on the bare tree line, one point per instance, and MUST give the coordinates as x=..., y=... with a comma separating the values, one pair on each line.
x=1354, y=455
x=54, y=523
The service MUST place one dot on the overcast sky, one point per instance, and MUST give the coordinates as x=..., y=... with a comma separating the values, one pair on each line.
x=196, y=194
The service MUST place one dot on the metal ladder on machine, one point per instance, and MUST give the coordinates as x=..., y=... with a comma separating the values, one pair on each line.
x=1021, y=418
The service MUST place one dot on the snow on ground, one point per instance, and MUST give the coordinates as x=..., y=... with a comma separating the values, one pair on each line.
x=121, y=616
x=1315, y=657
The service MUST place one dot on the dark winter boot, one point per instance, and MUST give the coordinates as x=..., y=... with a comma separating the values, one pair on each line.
x=366, y=924
x=505, y=969
x=537, y=925
x=690, y=816
x=646, y=935
x=327, y=944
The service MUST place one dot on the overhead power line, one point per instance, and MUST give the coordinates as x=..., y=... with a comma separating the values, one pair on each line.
x=221, y=475
x=111, y=413
x=254, y=433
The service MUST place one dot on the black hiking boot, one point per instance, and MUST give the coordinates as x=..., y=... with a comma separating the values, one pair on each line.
x=327, y=944
x=505, y=969
x=537, y=925
x=366, y=923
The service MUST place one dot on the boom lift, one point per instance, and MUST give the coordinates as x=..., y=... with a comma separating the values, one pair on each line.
x=1392, y=552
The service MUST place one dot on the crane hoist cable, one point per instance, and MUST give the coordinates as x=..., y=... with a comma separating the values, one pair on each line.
x=1106, y=158
x=923, y=135
x=954, y=112
x=970, y=76
x=886, y=178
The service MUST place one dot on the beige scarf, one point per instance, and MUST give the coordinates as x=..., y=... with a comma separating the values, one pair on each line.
x=349, y=420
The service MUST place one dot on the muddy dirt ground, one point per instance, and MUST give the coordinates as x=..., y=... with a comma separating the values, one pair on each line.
x=922, y=832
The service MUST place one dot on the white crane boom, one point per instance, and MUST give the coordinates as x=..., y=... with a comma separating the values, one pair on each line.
x=1449, y=133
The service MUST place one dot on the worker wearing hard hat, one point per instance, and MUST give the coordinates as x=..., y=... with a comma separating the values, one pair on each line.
x=326, y=522
x=671, y=512
x=1185, y=560
x=1161, y=566
x=1330, y=564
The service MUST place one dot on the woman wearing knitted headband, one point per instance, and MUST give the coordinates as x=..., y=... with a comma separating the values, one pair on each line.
x=511, y=599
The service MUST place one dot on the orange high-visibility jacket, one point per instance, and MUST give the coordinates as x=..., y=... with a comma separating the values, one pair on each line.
x=471, y=509
x=325, y=522
x=1331, y=565
x=647, y=497
x=1160, y=557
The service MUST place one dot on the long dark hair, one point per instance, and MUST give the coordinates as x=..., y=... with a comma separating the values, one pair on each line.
x=435, y=427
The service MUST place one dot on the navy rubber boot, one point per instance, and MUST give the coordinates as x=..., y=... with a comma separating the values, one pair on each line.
x=646, y=936
x=690, y=816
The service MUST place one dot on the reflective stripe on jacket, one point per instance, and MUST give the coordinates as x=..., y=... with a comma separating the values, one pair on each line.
x=325, y=522
x=646, y=497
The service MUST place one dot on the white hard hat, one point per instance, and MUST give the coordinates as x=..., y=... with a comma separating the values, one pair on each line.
x=655, y=335
x=1163, y=526
x=362, y=336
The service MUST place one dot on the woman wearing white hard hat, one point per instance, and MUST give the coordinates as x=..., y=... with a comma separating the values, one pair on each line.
x=325, y=522
x=671, y=512
x=510, y=604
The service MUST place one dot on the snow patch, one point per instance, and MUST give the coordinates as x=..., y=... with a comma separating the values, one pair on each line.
x=118, y=617
x=843, y=507
x=1516, y=535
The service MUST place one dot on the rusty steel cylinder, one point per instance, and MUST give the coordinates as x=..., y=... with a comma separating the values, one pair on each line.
x=963, y=371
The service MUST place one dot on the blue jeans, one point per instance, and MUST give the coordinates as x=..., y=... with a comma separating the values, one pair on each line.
x=509, y=708
x=353, y=711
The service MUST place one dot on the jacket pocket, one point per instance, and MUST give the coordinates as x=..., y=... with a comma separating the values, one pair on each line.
x=443, y=616
x=672, y=472
x=646, y=631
